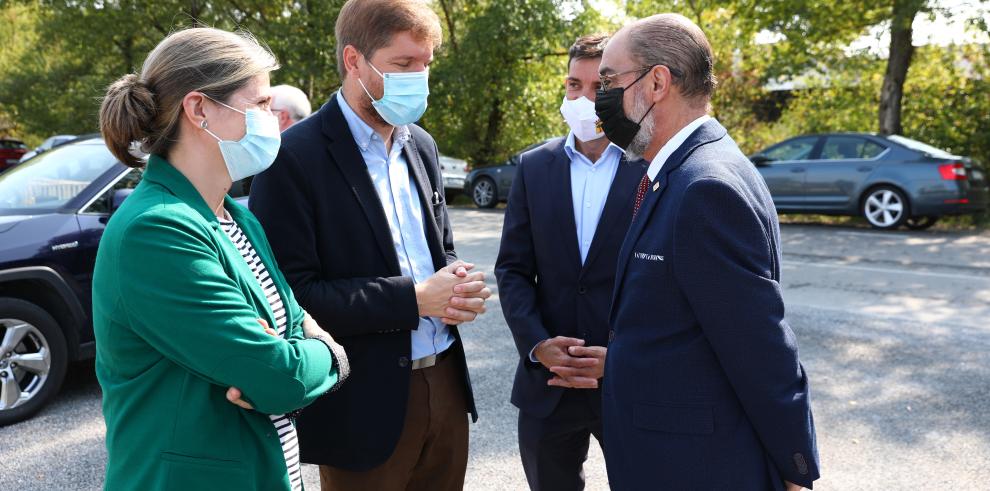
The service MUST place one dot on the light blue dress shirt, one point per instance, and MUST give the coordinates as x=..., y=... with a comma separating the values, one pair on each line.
x=590, y=185
x=397, y=191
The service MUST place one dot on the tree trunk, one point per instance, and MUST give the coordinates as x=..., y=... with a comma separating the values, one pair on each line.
x=445, y=5
x=898, y=62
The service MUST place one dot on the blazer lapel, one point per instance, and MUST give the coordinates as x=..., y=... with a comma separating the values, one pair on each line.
x=348, y=158
x=426, y=197
x=619, y=201
x=562, y=200
x=706, y=133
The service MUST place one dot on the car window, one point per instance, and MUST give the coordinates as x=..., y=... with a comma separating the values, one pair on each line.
x=922, y=147
x=799, y=149
x=49, y=181
x=850, y=147
x=102, y=204
x=11, y=144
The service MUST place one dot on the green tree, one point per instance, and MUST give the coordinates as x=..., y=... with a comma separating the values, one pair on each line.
x=497, y=85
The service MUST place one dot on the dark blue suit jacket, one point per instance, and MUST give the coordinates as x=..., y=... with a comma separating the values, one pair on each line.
x=332, y=240
x=703, y=387
x=544, y=289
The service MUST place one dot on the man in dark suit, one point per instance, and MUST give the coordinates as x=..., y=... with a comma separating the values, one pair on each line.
x=569, y=208
x=703, y=387
x=354, y=208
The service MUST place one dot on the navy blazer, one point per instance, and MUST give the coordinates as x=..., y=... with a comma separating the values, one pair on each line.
x=332, y=241
x=544, y=289
x=703, y=386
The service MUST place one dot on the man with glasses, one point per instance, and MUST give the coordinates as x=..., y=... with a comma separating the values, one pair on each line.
x=570, y=205
x=703, y=386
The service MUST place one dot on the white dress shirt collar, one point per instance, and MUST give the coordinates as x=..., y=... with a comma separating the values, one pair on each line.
x=671, y=146
x=570, y=147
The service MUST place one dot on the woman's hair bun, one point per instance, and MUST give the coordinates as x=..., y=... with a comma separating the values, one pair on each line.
x=127, y=115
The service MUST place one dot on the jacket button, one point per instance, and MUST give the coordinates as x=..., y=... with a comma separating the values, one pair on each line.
x=801, y=464
x=403, y=361
x=582, y=290
x=611, y=335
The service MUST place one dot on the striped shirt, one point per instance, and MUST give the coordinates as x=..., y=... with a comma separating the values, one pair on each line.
x=283, y=424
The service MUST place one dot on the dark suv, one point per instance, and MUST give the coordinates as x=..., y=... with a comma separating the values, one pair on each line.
x=53, y=210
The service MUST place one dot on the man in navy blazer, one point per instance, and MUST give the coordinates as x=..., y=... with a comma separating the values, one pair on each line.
x=703, y=387
x=569, y=208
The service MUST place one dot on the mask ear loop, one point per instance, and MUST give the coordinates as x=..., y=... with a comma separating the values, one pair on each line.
x=362, y=83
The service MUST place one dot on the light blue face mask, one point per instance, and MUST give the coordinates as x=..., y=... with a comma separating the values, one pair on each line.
x=254, y=153
x=404, y=99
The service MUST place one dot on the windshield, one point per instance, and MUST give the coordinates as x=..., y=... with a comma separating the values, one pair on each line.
x=921, y=147
x=49, y=181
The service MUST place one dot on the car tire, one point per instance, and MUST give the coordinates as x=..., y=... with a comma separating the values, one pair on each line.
x=40, y=342
x=885, y=207
x=920, y=223
x=484, y=193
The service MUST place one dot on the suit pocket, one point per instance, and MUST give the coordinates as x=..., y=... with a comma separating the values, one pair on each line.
x=674, y=418
x=648, y=262
x=193, y=473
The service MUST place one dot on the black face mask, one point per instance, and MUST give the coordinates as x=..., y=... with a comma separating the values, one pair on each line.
x=619, y=129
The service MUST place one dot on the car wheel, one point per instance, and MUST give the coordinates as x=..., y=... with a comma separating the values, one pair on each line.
x=920, y=223
x=483, y=193
x=885, y=207
x=33, y=359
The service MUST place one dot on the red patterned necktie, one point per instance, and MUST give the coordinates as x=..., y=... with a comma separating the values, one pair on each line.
x=644, y=184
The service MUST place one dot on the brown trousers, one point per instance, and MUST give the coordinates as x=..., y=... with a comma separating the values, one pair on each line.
x=432, y=451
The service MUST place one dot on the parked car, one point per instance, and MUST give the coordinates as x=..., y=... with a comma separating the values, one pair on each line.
x=11, y=152
x=53, y=210
x=454, y=171
x=49, y=143
x=889, y=180
x=489, y=186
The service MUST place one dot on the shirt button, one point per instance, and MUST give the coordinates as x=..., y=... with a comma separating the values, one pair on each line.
x=587, y=204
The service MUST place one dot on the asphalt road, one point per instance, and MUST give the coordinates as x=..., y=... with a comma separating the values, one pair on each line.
x=894, y=331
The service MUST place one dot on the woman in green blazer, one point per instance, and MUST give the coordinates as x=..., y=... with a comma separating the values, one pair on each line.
x=202, y=349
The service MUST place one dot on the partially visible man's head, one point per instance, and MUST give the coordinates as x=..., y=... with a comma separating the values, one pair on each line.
x=583, y=59
x=290, y=105
x=676, y=63
x=387, y=36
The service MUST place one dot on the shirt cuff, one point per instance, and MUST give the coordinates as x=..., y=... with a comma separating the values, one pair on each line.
x=532, y=354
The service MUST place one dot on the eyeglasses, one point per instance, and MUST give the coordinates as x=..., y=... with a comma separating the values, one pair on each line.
x=608, y=80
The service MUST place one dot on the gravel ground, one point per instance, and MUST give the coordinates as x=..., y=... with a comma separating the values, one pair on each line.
x=893, y=332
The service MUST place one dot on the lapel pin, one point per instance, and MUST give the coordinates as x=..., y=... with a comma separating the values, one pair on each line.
x=656, y=186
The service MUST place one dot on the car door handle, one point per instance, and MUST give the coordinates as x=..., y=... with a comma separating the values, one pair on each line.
x=865, y=168
x=797, y=170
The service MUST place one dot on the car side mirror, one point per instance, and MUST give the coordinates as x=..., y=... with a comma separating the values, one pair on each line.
x=118, y=197
x=760, y=160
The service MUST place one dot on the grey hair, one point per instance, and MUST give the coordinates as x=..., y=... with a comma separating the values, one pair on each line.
x=674, y=41
x=291, y=100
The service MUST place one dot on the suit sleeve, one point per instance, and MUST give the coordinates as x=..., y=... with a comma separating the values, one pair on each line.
x=725, y=265
x=515, y=271
x=200, y=319
x=282, y=200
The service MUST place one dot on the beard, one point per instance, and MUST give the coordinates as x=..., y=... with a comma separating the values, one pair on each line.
x=645, y=134
x=370, y=110
x=366, y=103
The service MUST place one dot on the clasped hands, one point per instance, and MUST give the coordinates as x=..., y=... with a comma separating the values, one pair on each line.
x=454, y=294
x=573, y=364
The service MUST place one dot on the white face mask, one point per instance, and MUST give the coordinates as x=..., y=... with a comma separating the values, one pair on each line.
x=580, y=116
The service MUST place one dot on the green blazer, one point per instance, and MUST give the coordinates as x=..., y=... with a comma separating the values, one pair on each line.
x=175, y=312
